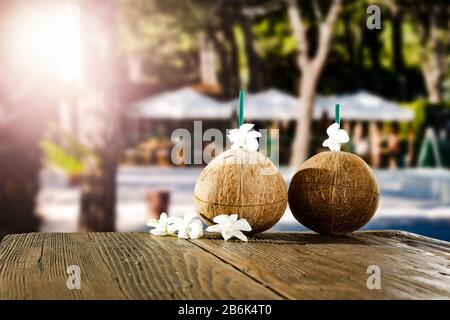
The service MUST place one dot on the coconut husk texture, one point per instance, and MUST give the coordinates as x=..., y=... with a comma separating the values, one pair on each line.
x=334, y=193
x=243, y=183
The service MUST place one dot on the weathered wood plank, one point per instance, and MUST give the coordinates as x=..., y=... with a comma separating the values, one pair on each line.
x=39, y=263
x=310, y=266
x=118, y=266
x=270, y=266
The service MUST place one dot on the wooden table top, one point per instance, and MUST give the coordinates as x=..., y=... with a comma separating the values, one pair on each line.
x=269, y=266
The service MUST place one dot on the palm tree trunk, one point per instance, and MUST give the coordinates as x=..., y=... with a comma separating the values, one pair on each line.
x=98, y=199
x=311, y=68
x=19, y=185
x=100, y=129
x=303, y=131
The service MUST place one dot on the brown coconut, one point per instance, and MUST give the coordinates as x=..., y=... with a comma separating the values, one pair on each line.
x=334, y=193
x=243, y=183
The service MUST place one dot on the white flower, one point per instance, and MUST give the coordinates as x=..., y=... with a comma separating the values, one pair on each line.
x=336, y=136
x=188, y=227
x=244, y=137
x=161, y=226
x=230, y=226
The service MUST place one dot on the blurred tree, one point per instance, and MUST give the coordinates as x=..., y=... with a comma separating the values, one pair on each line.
x=396, y=16
x=254, y=83
x=254, y=45
x=162, y=37
x=349, y=38
x=219, y=29
x=432, y=20
x=311, y=67
x=101, y=114
x=356, y=64
x=26, y=106
x=276, y=49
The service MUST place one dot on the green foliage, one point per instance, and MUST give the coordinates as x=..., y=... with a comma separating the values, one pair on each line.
x=274, y=37
x=420, y=122
x=156, y=39
x=276, y=48
x=58, y=158
x=164, y=36
x=419, y=108
x=63, y=152
x=411, y=45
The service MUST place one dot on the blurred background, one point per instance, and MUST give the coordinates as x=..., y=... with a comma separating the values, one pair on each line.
x=91, y=91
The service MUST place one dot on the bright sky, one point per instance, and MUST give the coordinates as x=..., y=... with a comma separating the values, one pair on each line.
x=48, y=38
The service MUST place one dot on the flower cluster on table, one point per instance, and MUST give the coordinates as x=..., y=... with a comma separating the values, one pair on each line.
x=191, y=227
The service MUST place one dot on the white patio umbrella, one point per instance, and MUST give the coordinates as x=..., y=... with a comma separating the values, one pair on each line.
x=270, y=104
x=274, y=104
x=363, y=106
x=184, y=103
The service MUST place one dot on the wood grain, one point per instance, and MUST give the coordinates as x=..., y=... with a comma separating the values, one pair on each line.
x=311, y=266
x=118, y=266
x=269, y=266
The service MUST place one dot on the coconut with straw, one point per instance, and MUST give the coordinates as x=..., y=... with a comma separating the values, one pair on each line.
x=334, y=192
x=242, y=181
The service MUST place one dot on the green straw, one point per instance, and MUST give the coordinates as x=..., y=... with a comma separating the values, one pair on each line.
x=337, y=114
x=241, y=108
